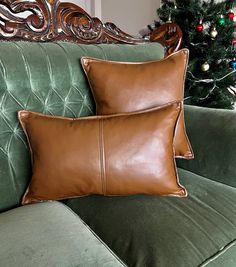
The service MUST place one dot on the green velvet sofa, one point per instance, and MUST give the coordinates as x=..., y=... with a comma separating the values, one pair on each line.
x=140, y=231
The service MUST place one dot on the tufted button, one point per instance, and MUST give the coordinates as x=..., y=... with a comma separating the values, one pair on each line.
x=32, y=78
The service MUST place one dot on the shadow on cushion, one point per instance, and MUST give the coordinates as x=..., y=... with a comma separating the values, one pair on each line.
x=165, y=231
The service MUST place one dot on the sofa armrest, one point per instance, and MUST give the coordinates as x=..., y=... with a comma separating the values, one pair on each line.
x=212, y=133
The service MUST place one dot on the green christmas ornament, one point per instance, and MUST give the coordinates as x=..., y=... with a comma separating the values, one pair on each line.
x=221, y=20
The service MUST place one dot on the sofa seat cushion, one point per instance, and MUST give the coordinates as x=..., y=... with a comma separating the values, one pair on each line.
x=223, y=258
x=161, y=231
x=50, y=234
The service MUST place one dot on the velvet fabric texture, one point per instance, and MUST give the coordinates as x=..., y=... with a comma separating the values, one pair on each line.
x=94, y=155
x=127, y=87
x=144, y=230
x=50, y=234
x=213, y=136
x=160, y=231
x=48, y=78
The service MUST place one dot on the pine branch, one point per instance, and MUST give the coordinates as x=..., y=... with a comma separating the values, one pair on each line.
x=217, y=52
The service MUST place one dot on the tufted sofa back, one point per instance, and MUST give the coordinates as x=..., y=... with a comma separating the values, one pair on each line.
x=46, y=77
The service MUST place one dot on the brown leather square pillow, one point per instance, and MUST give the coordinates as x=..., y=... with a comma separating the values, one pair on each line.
x=127, y=87
x=95, y=155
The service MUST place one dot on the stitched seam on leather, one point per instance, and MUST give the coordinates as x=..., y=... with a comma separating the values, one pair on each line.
x=101, y=154
x=103, y=158
x=218, y=253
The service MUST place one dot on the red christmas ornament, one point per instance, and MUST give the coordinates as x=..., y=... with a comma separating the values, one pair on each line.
x=234, y=42
x=231, y=15
x=199, y=28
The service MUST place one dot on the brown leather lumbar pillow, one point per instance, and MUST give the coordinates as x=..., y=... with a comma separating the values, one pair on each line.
x=108, y=155
x=127, y=87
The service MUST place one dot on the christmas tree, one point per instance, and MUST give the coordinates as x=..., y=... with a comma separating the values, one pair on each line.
x=208, y=32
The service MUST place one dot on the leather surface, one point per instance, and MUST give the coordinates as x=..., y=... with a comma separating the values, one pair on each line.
x=126, y=87
x=48, y=78
x=215, y=146
x=94, y=155
x=49, y=235
x=163, y=232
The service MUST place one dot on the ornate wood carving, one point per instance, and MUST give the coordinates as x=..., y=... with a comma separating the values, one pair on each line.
x=50, y=20
x=169, y=35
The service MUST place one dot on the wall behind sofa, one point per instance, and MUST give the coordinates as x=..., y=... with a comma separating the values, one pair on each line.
x=85, y=4
x=129, y=15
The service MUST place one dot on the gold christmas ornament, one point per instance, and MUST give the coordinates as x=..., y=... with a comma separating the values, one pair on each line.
x=213, y=33
x=205, y=67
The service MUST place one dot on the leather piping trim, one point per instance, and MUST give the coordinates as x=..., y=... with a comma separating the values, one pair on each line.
x=102, y=156
x=22, y=123
x=218, y=253
x=86, y=69
x=183, y=189
x=191, y=154
x=183, y=50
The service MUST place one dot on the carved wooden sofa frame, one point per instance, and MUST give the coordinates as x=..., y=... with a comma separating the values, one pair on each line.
x=50, y=20
x=199, y=231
